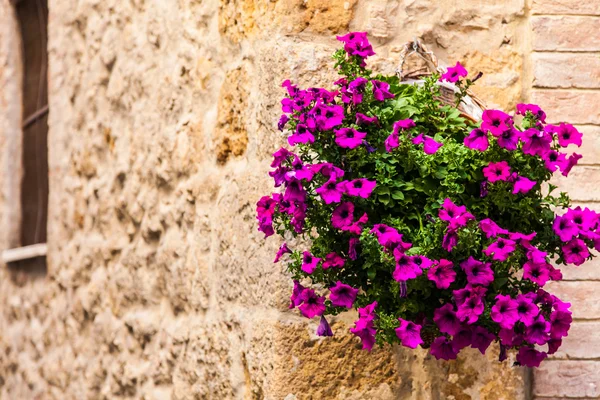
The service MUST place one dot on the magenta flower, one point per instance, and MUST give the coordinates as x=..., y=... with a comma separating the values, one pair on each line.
x=381, y=90
x=403, y=124
x=409, y=334
x=470, y=309
x=342, y=295
x=327, y=170
x=360, y=187
x=523, y=185
x=312, y=305
x=453, y=74
x=362, y=119
x=326, y=117
x=441, y=348
x=477, y=140
x=585, y=219
x=497, y=171
x=430, y=146
x=481, y=339
x=450, y=240
x=564, y=228
x=331, y=191
x=333, y=260
x=575, y=252
x=364, y=329
x=343, y=215
x=491, y=229
x=356, y=226
x=368, y=311
x=282, y=250
x=526, y=309
x=500, y=249
x=446, y=320
x=504, y=312
x=536, y=272
x=567, y=134
x=357, y=89
x=349, y=138
x=553, y=160
x=442, y=274
x=302, y=135
x=560, y=323
x=405, y=267
x=529, y=357
x=294, y=191
x=422, y=261
x=279, y=157
x=478, y=273
x=295, y=298
x=386, y=235
x=570, y=163
x=508, y=337
x=462, y=338
x=357, y=44
x=539, y=331
x=324, y=329
x=534, y=109
x=496, y=122
x=509, y=139
x=291, y=89
x=352, y=248
x=535, y=142
x=309, y=262
x=392, y=142
x=283, y=120
x=457, y=216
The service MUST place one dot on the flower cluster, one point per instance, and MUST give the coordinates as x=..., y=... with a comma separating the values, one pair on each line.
x=437, y=230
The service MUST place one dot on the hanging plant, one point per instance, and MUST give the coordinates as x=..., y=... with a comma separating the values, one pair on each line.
x=438, y=229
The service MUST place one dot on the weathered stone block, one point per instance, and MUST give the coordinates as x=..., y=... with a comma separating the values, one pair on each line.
x=566, y=70
x=581, y=184
x=581, y=295
x=572, y=379
x=563, y=33
x=565, y=7
x=583, y=341
x=574, y=107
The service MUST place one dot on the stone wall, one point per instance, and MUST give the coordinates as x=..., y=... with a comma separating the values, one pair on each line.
x=162, y=122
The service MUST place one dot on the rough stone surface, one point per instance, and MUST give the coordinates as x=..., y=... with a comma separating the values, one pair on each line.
x=583, y=341
x=566, y=70
x=576, y=107
x=565, y=33
x=565, y=7
x=581, y=184
x=162, y=120
x=581, y=295
x=572, y=379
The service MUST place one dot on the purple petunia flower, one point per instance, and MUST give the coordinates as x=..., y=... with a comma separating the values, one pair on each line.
x=526, y=309
x=324, y=329
x=343, y=215
x=534, y=109
x=362, y=119
x=481, y=339
x=302, y=135
x=430, y=146
x=405, y=267
x=331, y=191
x=357, y=44
x=570, y=163
x=356, y=226
x=295, y=298
x=386, y=235
x=409, y=333
x=539, y=331
x=326, y=117
x=523, y=185
x=560, y=323
x=365, y=330
x=585, y=219
x=567, y=134
x=349, y=138
x=497, y=171
x=357, y=89
x=575, y=252
x=553, y=160
x=470, y=309
x=333, y=260
x=441, y=348
x=504, y=312
x=381, y=90
x=509, y=139
x=495, y=121
x=446, y=320
x=360, y=187
x=457, y=216
x=564, y=228
x=453, y=74
x=283, y=120
x=442, y=274
x=530, y=357
x=294, y=191
x=477, y=140
x=508, y=337
x=491, y=229
x=309, y=262
x=500, y=250
x=478, y=273
x=535, y=142
x=342, y=295
x=282, y=250
x=312, y=305
x=536, y=272
x=403, y=124
x=422, y=261
x=462, y=338
x=392, y=142
x=450, y=240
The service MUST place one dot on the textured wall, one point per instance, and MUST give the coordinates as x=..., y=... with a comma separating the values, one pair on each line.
x=162, y=121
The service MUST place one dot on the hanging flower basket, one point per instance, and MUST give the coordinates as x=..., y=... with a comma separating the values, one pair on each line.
x=437, y=227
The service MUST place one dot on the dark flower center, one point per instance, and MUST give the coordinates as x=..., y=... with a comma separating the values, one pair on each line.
x=418, y=260
x=553, y=156
x=344, y=214
x=308, y=259
x=329, y=114
x=475, y=271
x=331, y=185
x=562, y=224
x=566, y=135
x=501, y=245
x=350, y=134
x=496, y=122
x=381, y=229
x=358, y=184
x=450, y=213
x=578, y=220
x=522, y=309
x=576, y=250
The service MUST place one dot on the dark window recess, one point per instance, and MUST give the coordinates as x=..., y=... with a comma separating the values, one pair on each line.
x=33, y=21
